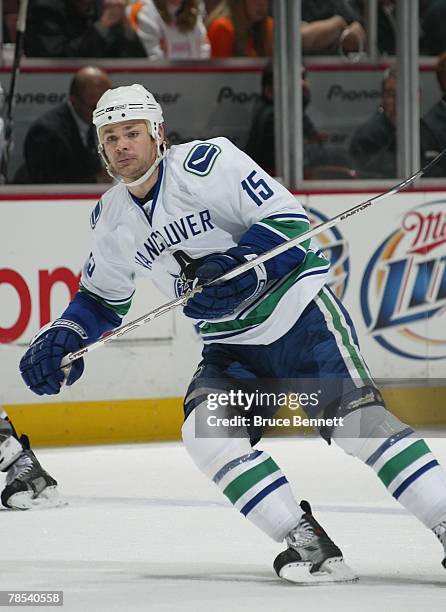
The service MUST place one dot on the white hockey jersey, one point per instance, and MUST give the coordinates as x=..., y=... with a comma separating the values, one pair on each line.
x=208, y=194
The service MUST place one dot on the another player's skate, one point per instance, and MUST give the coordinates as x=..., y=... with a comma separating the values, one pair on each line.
x=440, y=532
x=311, y=557
x=28, y=486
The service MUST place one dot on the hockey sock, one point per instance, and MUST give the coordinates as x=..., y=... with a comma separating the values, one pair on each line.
x=257, y=487
x=413, y=476
x=250, y=479
x=403, y=462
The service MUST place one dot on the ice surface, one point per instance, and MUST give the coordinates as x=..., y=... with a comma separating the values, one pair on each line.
x=145, y=530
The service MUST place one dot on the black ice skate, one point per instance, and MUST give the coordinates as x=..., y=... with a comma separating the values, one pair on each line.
x=28, y=486
x=311, y=557
x=440, y=532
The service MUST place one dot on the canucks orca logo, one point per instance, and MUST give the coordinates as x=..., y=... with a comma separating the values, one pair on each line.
x=181, y=285
x=403, y=292
x=335, y=248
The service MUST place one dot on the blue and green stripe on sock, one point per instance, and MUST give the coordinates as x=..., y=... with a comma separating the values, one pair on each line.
x=247, y=489
x=396, y=470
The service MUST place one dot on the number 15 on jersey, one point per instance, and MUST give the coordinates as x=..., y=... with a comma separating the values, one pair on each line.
x=257, y=188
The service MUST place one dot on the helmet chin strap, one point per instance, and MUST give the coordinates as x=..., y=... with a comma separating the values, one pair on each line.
x=148, y=173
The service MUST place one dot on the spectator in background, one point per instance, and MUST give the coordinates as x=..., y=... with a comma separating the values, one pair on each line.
x=210, y=5
x=10, y=11
x=241, y=28
x=386, y=23
x=77, y=28
x=260, y=144
x=331, y=26
x=319, y=161
x=373, y=145
x=61, y=146
x=171, y=29
x=387, y=27
x=433, y=27
x=433, y=134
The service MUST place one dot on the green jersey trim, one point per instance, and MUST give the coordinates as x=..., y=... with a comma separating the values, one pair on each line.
x=288, y=229
x=120, y=308
x=312, y=264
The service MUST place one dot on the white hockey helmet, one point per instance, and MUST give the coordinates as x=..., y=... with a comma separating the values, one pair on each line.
x=124, y=104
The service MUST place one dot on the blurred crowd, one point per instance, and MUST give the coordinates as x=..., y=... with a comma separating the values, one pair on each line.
x=204, y=29
x=179, y=29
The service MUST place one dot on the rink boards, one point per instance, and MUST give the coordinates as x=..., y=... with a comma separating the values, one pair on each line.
x=388, y=266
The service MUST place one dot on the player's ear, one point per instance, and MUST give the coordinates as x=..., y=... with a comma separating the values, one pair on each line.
x=161, y=131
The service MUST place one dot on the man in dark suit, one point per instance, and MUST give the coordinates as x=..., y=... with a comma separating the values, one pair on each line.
x=80, y=28
x=60, y=146
x=373, y=146
x=319, y=160
x=433, y=137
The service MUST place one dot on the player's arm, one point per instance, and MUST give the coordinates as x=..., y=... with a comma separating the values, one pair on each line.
x=272, y=216
x=96, y=308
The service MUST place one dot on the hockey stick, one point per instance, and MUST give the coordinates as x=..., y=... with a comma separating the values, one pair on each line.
x=9, y=114
x=322, y=227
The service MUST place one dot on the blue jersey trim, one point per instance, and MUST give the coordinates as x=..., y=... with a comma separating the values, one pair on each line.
x=157, y=190
x=95, y=317
x=228, y=334
x=287, y=216
x=122, y=301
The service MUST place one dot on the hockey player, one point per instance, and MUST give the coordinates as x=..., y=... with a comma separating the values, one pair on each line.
x=194, y=212
x=27, y=484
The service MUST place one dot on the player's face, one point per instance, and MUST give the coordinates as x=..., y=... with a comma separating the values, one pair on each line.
x=129, y=148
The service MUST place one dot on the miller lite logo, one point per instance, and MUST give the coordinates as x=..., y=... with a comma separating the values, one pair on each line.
x=335, y=248
x=403, y=292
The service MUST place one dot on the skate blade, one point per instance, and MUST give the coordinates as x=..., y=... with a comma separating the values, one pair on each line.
x=332, y=570
x=48, y=498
